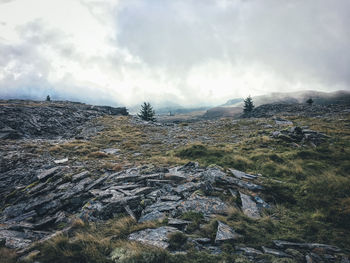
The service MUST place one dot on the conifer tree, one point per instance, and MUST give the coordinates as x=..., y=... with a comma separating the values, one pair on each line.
x=310, y=101
x=248, y=105
x=147, y=113
x=48, y=98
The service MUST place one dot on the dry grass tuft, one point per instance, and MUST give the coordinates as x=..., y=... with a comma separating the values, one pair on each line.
x=7, y=255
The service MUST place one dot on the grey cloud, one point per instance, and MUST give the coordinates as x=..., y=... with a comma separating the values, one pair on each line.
x=27, y=70
x=166, y=41
x=298, y=40
x=6, y=1
x=176, y=33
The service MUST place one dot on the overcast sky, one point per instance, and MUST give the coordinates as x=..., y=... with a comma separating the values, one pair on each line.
x=186, y=52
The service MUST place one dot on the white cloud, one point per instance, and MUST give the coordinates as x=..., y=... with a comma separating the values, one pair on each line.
x=185, y=51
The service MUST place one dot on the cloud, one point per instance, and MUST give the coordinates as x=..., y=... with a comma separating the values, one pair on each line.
x=5, y=1
x=185, y=51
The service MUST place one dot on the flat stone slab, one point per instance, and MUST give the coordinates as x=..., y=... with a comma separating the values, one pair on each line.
x=161, y=207
x=287, y=244
x=170, y=198
x=64, y=160
x=187, y=187
x=157, y=237
x=249, y=207
x=179, y=223
x=225, y=233
x=80, y=176
x=48, y=173
x=111, y=151
x=155, y=215
x=275, y=252
x=249, y=251
x=242, y=175
x=205, y=205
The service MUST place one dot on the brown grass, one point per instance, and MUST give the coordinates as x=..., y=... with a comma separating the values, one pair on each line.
x=7, y=255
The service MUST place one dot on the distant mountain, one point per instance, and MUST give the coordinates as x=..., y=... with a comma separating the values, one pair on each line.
x=223, y=112
x=322, y=98
x=232, y=102
x=179, y=110
x=234, y=107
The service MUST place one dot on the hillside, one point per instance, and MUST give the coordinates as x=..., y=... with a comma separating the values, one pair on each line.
x=321, y=98
x=273, y=188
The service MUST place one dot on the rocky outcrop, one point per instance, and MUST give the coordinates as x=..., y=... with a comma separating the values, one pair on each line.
x=300, y=135
x=52, y=198
x=157, y=237
x=35, y=119
x=37, y=211
x=225, y=233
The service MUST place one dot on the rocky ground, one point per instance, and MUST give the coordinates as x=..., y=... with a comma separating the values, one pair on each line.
x=269, y=110
x=59, y=119
x=88, y=186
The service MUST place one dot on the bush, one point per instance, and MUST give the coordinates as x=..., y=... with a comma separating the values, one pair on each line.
x=177, y=240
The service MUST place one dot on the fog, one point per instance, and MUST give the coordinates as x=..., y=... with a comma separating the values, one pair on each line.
x=171, y=52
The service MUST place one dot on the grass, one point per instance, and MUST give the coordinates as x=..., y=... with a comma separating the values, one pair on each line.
x=309, y=187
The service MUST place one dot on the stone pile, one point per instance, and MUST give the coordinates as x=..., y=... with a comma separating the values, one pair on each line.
x=300, y=135
x=46, y=207
x=36, y=211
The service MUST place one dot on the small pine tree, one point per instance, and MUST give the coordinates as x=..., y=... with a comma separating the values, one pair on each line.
x=310, y=101
x=48, y=98
x=147, y=113
x=248, y=105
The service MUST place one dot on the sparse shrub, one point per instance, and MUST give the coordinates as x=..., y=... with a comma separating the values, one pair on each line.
x=195, y=217
x=147, y=113
x=209, y=230
x=98, y=155
x=177, y=240
x=7, y=255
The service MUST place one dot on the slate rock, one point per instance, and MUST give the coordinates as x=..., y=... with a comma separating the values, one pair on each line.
x=228, y=180
x=178, y=223
x=287, y=244
x=242, y=175
x=186, y=188
x=205, y=205
x=155, y=215
x=15, y=239
x=224, y=233
x=157, y=237
x=249, y=207
x=249, y=251
x=118, y=206
x=202, y=240
x=64, y=160
x=170, y=198
x=260, y=202
x=142, y=191
x=161, y=207
x=275, y=252
x=48, y=173
x=80, y=176
x=111, y=151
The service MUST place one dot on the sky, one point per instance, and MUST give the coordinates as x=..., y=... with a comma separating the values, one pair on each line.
x=171, y=52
